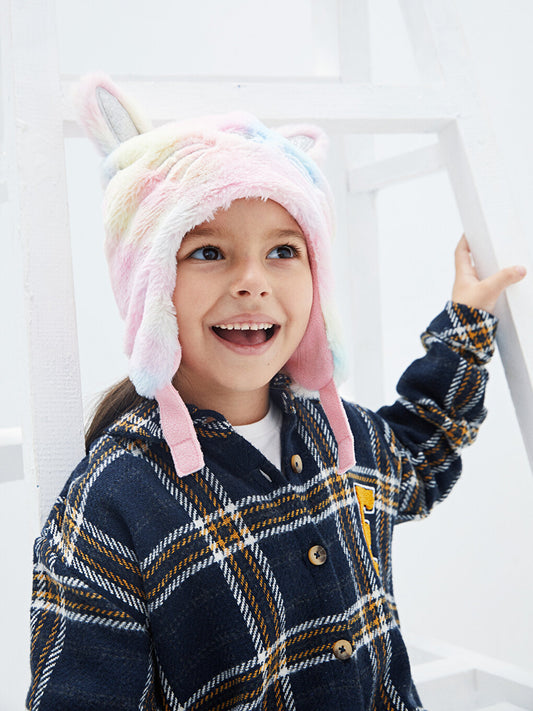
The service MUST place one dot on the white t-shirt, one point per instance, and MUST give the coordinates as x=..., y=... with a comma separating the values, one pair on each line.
x=265, y=435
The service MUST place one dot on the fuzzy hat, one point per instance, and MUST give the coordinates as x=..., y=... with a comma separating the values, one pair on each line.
x=159, y=184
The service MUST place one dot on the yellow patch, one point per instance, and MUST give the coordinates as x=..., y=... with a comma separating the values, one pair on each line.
x=365, y=499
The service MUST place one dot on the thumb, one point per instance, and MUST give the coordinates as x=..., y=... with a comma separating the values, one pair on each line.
x=494, y=285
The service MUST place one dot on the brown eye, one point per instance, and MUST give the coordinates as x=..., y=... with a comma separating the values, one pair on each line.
x=285, y=251
x=207, y=254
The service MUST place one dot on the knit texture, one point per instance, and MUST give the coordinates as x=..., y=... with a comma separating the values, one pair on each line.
x=155, y=592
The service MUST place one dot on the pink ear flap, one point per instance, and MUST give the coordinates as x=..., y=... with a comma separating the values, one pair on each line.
x=308, y=139
x=107, y=114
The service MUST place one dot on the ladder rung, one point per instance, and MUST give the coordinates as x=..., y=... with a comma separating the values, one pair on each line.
x=11, y=463
x=11, y=468
x=10, y=435
x=338, y=107
x=406, y=166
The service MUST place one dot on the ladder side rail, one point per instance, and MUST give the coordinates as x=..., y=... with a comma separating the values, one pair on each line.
x=4, y=191
x=359, y=258
x=325, y=30
x=494, y=237
x=489, y=218
x=11, y=468
x=419, y=32
x=355, y=60
x=53, y=426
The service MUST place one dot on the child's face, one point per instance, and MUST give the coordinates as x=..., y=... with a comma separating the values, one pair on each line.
x=243, y=297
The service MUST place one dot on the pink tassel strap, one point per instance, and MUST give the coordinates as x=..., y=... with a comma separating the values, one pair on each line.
x=179, y=432
x=331, y=402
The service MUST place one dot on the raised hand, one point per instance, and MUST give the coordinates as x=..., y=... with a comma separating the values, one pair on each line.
x=469, y=289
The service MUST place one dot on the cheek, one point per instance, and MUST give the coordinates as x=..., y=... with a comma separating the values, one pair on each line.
x=178, y=300
x=307, y=292
x=190, y=298
x=301, y=296
x=186, y=306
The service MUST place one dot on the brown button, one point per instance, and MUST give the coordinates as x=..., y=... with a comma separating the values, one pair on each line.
x=317, y=555
x=342, y=649
x=296, y=463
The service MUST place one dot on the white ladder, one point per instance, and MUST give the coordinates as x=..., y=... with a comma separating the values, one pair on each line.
x=450, y=678
x=446, y=104
x=39, y=115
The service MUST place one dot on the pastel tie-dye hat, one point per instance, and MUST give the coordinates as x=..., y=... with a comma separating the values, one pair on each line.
x=162, y=182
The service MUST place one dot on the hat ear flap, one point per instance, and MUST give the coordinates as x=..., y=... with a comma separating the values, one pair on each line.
x=108, y=116
x=307, y=138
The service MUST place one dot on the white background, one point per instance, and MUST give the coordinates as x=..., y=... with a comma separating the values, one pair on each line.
x=464, y=575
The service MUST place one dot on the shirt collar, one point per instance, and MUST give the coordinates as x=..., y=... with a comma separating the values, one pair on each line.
x=142, y=422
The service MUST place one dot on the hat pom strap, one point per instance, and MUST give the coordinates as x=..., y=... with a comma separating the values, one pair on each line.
x=332, y=405
x=179, y=432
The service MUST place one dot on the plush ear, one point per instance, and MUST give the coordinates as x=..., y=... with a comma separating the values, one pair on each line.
x=307, y=138
x=108, y=116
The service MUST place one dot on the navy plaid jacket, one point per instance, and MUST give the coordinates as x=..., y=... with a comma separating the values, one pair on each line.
x=224, y=590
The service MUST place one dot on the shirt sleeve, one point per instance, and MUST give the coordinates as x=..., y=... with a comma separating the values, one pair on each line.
x=90, y=645
x=440, y=406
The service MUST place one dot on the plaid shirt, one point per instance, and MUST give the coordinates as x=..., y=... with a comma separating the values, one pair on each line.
x=224, y=590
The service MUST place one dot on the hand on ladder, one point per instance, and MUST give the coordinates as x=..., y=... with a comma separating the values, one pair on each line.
x=469, y=289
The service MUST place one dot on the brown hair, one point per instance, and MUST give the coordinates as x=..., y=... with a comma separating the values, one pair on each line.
x=114, y=403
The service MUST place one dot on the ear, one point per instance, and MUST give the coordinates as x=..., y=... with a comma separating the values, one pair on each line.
x=308, y=139
x=108, y=116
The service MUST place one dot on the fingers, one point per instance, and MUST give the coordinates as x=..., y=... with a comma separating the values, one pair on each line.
x=463, y=259
x=498, y=282
x=482, y=294
x=491, y=288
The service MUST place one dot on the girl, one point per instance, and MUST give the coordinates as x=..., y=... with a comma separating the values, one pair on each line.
x=226, y=542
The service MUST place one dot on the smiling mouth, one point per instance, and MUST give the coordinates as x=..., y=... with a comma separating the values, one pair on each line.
x=246, y=334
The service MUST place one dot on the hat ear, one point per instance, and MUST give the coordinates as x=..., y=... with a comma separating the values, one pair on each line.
x=307, y=138
x=108, y=116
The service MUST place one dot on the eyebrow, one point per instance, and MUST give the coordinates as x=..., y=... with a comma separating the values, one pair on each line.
x=198, y=232
x=201, y=231
x=280, y=234
x=275, y=233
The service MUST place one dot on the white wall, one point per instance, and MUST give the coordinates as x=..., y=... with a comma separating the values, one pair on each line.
x=464, y=574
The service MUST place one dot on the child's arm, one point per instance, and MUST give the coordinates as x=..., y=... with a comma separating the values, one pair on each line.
x=440, y=407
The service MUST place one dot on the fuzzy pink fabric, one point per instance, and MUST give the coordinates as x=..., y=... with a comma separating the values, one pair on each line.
x=162, y=183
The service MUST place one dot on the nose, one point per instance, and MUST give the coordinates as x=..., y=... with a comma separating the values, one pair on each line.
x=250, y=279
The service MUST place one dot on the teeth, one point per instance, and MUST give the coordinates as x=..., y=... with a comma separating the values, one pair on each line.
x=244, y=326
